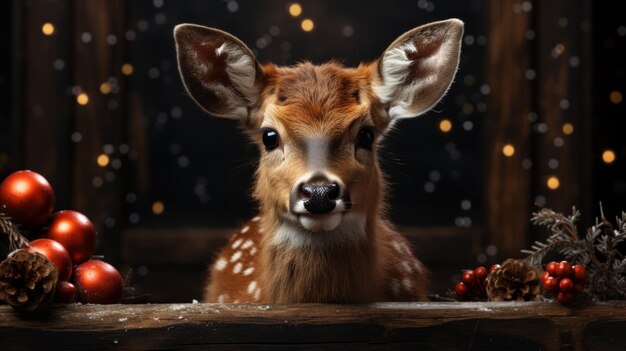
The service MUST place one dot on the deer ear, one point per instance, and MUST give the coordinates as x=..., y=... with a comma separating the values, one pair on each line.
x=417, y=69
x=220, y=72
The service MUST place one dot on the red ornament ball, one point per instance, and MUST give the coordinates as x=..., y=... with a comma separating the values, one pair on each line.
x=551, y=284
x=565, y=297
x=566, y=285
x=494, y=267
x=460, y=289
x=75, y=232
x=56, y=253
x=27, y=198
x=563, y=269
x=98, y=282
x=580, y=273
x=480, y=273
x=468, y=277
x=66, y=293
x=551, y=268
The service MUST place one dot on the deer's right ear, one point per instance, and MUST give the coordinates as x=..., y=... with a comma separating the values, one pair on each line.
x=220, y=72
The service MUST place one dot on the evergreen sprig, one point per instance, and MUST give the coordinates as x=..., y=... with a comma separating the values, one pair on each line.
x=12, y=231
x=597, y=250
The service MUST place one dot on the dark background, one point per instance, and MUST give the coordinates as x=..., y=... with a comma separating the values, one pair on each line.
x=527, y=69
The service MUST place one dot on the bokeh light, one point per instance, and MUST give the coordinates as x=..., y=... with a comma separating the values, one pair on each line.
x=103, y=160
x=445, y=125
x=508, y=150
x=47, y=28
x=608, y=156
x=82, y=99
x=307, y=25
x=295, y=9
x=553, y=183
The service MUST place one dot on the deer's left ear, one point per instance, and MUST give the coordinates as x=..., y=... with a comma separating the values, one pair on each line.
x=417, y=69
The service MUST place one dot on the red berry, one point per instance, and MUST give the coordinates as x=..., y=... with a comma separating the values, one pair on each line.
x=565, y=298
x=480, y=273
x=563, y=269
x=578, y=288
x=551, y=268
x=551, y=284
x=544, y=276
x=468, y=278
x=494, y=267
x=566, y=285
x=66, y=293
x=460, y=289
x=580, y=273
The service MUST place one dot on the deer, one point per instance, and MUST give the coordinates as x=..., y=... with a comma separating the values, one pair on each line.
x=322, y=233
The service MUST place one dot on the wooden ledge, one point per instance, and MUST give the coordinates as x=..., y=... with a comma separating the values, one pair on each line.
x=441, y=326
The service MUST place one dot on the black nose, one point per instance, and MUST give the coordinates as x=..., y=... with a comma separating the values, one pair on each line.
x=320, y=199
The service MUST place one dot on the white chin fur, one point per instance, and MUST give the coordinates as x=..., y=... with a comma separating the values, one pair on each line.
x=316, y=223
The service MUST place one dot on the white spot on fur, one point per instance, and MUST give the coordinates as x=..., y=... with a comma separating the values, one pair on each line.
x=397, y=245
x=236, y=301
x=407, y=284
x=257, y=294
x=236, y=243
x=256, y=219
x=236, y=256
x=407, y=267
x=219, y=50
x=253, y=251
x=237, y=268
x=251, y=287
x=220, y=264
x=221, y=298
x=245, y=229
x=248, y=244
x=248, y=271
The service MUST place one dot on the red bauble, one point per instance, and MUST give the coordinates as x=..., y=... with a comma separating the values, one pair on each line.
x=580, y=273
x=66, y=293
x=98, y=282
x=468, y=278
x=27, y=198
x=563, y=269
x=494, y=267
x=56, y=253
x=551, y=284
x=551, y=268
x=565, y=298
x=544, y=276
x=460, y=289
x=480, y=273
x=566, y=285
x=75, y=232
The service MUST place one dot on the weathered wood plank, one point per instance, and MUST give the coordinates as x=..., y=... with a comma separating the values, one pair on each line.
x=441, y=326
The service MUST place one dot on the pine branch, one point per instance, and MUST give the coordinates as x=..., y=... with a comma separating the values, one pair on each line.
x=8, y=227
x=598, y=250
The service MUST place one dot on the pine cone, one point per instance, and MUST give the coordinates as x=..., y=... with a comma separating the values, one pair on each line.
x=27, y=280
x=514, y=280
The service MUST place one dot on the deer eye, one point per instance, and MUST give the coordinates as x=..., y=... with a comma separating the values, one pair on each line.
x=365, y=138
x=270, y=139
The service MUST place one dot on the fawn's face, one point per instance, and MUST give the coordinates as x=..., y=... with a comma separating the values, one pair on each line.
x=318, y=127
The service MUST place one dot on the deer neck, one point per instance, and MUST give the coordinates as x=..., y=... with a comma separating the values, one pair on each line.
x=335, y=266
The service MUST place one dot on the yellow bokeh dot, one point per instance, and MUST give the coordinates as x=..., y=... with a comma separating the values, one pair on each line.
x=307, y=25
x=158, y=207
x=616, y=97
x=127, y=69
x=568, y=128
x=103, y=160
x=47, y=28
x=105, y=88
x=608, y=156
x=508, y=150
x=295, y=9
x=553, y=183
x=445, y=125
x=82, y=99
